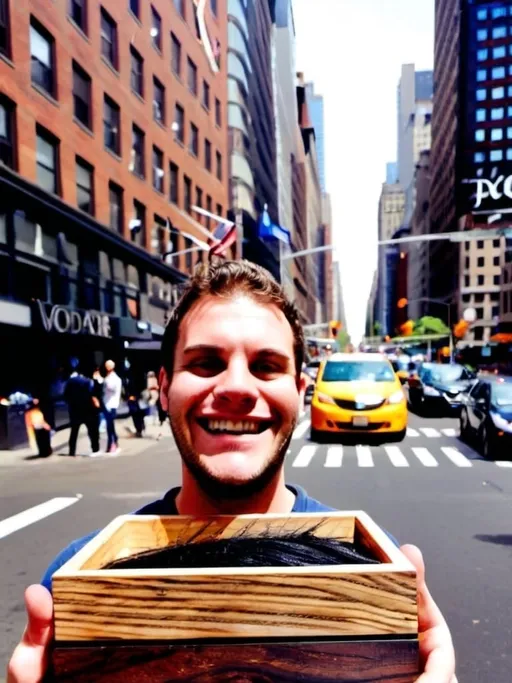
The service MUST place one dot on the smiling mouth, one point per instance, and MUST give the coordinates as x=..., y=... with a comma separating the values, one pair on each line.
x=237, y=428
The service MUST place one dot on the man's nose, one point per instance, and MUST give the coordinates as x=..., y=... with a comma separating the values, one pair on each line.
x=237, y=386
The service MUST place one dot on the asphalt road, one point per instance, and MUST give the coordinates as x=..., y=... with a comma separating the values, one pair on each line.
x=430, y=490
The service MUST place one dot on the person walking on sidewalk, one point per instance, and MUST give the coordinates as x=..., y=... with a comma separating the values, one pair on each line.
x=83, y=409
x=112, y=387
x=38, y=430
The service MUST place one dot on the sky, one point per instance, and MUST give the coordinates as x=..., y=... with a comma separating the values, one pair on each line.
x=353, y=51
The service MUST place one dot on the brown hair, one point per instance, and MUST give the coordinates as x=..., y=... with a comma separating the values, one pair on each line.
x=227, y=279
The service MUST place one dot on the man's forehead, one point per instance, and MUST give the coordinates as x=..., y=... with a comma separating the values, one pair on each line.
x=214, y=320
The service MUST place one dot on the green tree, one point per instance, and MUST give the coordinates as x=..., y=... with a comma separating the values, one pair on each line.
x=343, y=339
x=430, y=325
x=377, y=328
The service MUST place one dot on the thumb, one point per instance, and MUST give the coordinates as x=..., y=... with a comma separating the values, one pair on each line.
x=429, y=614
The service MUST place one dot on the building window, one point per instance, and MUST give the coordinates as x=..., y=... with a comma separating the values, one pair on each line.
x=179, y=123
x=115, y=194
x=192, y=76
x=42, y=55
x=137, y=165
x=84, y=186
x=193, y=143
x=496, y=261
x=175, y=55
x=466, y=262
x=209, y=207
x=206, y=95
x=496, y=134
x=480, y=262
x=199, y=198
x=499, y=32
x=498, y=72
x=218, y=112
x=499, y=12
x=156, y=29
x=481, y=75
x=481, y=34
x=174, y=183
x=208, y=155
x=138, y=235
x=111, y=125
x=218, y=158
x=158, y=101
x=481, y=14
x=480, y=280
x=496, y=244
x=497, y=113
x=219, y=210
x=479, y=298
x=137, y=72
x=158, y=236
x=78, y=13
x=498, y=93
x=180, y=7
x=481, y=115
x=188, y=194
x=108, y=38
x=482, y=55
x=466, y=280
x=481, y=94
x=496, y=155
x=499, y=52
x=495, y=311
x=135, y=7
x=509, y=132
x=47, y=150
x=158, y=169
x=82, y=96
x=7, y=143
x=497, y=280
x=479, y=244
x=479, y=313
x=480, y=135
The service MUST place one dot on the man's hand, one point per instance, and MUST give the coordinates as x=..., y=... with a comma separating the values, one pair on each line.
x=29, y=661
x=437, y=656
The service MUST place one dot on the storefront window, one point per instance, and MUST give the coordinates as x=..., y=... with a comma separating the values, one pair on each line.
x=119, y=272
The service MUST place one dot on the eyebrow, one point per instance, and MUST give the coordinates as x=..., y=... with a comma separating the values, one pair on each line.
x=209, y=348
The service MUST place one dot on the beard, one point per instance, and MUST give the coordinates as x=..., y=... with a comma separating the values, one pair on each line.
x=222, y=488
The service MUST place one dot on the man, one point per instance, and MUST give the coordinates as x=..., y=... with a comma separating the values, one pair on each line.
x=82, y=405
x=112, y=387
x=232, y=355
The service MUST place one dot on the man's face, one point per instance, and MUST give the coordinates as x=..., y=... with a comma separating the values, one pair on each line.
x=233, y=396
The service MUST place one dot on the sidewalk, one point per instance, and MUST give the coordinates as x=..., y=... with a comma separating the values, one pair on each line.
x=128, y=443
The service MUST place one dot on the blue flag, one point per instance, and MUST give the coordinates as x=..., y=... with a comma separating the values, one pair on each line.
x=269, y=230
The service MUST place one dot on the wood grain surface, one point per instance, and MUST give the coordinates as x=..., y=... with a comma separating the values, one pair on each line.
x=345, y=662
x=258, y=604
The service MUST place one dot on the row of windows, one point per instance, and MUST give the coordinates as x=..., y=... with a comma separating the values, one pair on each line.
x=495, y=33
x=481, y=298
x=493, y=134
x=480, y=244
x=494, y=13
x=43, y=70
x=500, y=52
x=480, y=280
x=494, y=155
x=480, y=262
x=496, y=93
x=495, y=73
x=496, y=114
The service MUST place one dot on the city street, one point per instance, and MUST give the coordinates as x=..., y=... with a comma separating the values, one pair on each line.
x=430, y=490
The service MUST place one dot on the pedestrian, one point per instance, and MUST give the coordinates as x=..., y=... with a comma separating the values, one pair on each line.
x=112, y=388
x=38, y=429
x=137, y=407
x=152, y=389
x=232, y=357
x=83, y=408
x=98, y=392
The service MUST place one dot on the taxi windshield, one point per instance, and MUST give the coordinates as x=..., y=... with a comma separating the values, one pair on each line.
x=353, y=371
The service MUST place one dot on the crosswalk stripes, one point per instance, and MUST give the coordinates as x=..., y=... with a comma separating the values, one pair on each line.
x=430, y=432
x=504, y=463
x=35, y=514
x=304, y=456
x=449, y=431
x=334, y=456
x=396, y=456
x=456, y=457
x=412, y=432
x=301, y=429
x=364, y=456
x=425, y=457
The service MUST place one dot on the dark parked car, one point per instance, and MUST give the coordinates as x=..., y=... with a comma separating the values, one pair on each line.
x=312, y=371
x=487, y=415
x=440, y=387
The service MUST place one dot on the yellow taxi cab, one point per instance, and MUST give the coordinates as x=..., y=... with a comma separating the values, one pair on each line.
x=358, y=393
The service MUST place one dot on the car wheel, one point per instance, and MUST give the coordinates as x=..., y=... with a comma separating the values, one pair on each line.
x=397, y=437
x=464, y=426
x=487, y=444
x=315, y=435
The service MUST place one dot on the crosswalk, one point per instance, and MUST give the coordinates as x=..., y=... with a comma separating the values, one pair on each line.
x=404, y=455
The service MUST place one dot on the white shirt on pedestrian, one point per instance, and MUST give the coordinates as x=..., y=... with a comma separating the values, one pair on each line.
x=112, y=387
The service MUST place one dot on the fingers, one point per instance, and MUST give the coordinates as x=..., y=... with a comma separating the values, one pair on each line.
x=39, y=604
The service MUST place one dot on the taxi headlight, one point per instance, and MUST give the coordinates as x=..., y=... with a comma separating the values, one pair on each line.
x=396, y=398
x=325, y=398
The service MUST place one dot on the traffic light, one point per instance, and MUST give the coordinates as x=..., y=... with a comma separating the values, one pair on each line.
x=335, y=327
x=402, y=303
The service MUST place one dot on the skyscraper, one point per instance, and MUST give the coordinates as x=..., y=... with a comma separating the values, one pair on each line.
x=316, y=114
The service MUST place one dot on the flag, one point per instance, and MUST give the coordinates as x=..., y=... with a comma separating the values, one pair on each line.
x=269, y=230
x=221, y=247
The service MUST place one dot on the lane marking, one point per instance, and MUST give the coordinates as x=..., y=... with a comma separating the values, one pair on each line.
x=430, y=432
x=425, y=457
x=412, y=432
x=35, y=514
x=449, y=431
x=334, y=456
x=304, y=456
x=396, y=456
x=504, y=463
x=364, y=456
x=456, y=457
x=301, y=429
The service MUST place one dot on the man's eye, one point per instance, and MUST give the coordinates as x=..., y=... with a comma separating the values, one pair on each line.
x=205, y=366
x=267, y=368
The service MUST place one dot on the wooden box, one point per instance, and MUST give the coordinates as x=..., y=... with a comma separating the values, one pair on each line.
x=331, y=623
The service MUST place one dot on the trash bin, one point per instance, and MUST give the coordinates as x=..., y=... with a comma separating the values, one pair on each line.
x=13, y=431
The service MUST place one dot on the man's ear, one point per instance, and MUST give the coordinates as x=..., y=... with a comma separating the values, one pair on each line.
x=301, y=383
x=164, y=384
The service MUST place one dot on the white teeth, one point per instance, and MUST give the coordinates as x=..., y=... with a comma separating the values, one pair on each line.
x=231, y=426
